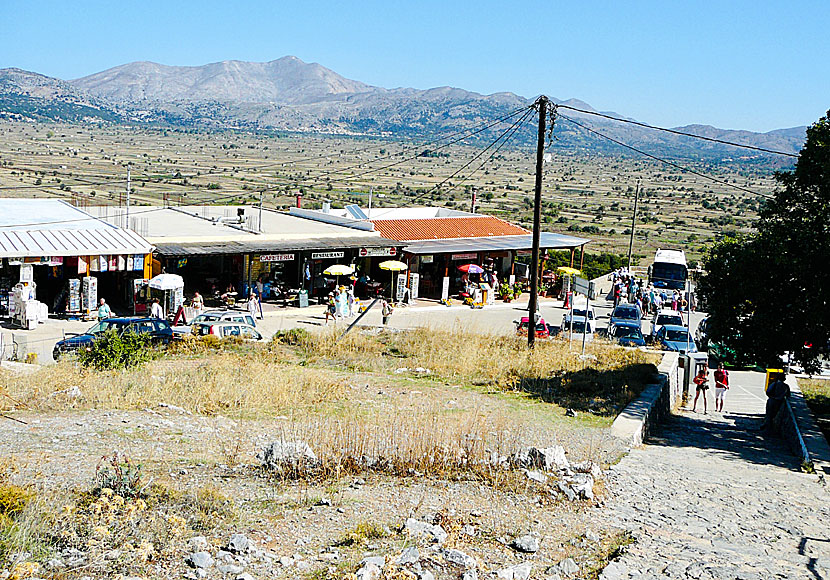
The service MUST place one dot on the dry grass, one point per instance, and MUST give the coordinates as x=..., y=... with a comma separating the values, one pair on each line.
x=215, y=383
x=817, y=394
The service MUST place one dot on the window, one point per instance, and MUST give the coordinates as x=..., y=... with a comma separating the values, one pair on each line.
x=250, y=333
x=230, y=330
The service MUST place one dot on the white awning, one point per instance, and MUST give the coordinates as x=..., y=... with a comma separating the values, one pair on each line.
x=64, y=242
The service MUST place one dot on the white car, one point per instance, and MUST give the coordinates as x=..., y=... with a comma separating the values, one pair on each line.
x=579, y=311
x=226, y=330
x=663, y=318
x=216, y=316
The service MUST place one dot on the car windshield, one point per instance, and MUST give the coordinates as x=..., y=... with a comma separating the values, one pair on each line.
x=627, y=331
x=581, y=312
x=579, y=327
x=206, y=318
x=677, y=336
x=102, y=326
x=626, y=313
x=664, y=319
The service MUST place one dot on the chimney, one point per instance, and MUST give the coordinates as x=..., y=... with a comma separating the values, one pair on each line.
x=327, y=206
x=299, y=200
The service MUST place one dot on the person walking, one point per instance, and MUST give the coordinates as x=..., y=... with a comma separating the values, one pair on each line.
x=104, y=310
x=777, y=392
x=331, y=308
x=702, y=382
x=198, y=303
x=350, y=300
x=156, y=311
x=253, y=304
x=386, y=311
x=721, y=386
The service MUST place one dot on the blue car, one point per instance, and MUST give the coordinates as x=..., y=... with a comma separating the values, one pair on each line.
x=627, y=333
x=159, y=330
x=626, y=313
x=675, y=338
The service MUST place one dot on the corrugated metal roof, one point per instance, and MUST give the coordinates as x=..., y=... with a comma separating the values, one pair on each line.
x=548, y=240
x=446, y=228
x=252, y=247
x=52, y=242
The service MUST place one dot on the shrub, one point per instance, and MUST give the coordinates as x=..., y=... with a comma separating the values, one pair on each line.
x=120, y=475
x=292, y=337
x=117, y=351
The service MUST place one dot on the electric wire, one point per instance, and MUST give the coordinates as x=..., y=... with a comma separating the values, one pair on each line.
x=661, y=160
x=676, y=132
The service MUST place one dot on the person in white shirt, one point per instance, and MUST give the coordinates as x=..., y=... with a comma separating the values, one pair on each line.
x=156, y=311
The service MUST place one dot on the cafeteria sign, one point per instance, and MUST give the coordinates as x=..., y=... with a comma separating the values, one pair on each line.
x=371, y=252
x=276, y=258
x=326, y=255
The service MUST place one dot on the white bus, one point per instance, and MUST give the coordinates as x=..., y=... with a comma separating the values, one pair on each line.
x=669, y=270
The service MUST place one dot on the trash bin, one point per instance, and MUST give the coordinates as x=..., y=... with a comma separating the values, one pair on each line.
x=302, y=299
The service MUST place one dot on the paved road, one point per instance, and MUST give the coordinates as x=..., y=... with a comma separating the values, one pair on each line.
x=709, y=497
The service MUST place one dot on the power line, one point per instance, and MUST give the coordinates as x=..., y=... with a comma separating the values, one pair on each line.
x=660, y=159
x=676, y=132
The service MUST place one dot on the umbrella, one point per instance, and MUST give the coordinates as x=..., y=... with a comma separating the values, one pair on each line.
x=338, y=270
x=166, y=282
x=471, y=269
x=393, y=266
x=567, y=270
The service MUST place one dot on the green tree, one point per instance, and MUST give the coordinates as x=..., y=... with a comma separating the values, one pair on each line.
x=767, y=293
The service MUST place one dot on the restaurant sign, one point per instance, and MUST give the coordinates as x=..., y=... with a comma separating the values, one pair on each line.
x=326, y=255
x=471, y=256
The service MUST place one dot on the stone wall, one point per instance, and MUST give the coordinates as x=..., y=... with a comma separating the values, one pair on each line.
x=654, y=404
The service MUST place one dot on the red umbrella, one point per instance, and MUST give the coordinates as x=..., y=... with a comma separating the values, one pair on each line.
x=471, y=269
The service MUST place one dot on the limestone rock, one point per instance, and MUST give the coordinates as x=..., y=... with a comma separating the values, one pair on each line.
x=283, y=456
x=200, y=560
x=418, y=528
x=527, y=543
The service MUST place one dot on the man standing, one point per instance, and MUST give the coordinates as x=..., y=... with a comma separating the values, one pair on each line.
x=104, y=310
x=777, y=392
x=156, y=311
x=721, y=386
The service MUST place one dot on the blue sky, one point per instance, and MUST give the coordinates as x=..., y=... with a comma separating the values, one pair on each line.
x=756, y=65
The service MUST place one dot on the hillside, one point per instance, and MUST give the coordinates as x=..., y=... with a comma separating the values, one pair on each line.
x=288, y=94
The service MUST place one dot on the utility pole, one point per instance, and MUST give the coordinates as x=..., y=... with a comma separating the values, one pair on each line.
x=128, y=196
x=633, y=223
x=537, y=224
x=473, y=201
x=261, y=194
x=371, y=191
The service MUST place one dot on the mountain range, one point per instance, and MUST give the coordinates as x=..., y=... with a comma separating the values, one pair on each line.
x=288, y=94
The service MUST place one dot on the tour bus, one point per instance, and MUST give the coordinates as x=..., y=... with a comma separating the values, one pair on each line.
x=669, y=270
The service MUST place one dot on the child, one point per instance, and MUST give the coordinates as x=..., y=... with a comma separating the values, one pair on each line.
x=702, y=382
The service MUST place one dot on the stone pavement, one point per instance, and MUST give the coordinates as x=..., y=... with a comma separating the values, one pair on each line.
x=708, y=497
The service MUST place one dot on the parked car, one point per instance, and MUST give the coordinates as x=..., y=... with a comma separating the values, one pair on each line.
x=580, y=309
x=626, y=313
x=675, y=338
x=702, y=335
x=580, y=326
x=217, y=316
x=159, y=330
x=226, y=329
x=665, y=317
x=542, y=328
x=627, y=333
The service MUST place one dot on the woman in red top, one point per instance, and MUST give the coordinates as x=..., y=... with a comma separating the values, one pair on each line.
x=721, y=386
x=702, y=382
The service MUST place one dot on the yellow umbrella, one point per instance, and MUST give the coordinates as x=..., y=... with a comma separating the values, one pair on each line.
x=567, y=270
x=338, y=270
x=393, y=266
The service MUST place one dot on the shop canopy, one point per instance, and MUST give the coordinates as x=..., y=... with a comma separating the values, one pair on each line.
x=272, y=246
x=548, y=241
x=32, y=228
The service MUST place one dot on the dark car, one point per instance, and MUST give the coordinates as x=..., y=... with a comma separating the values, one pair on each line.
x=627, y=333
x=628, y=313
x=159, y=330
